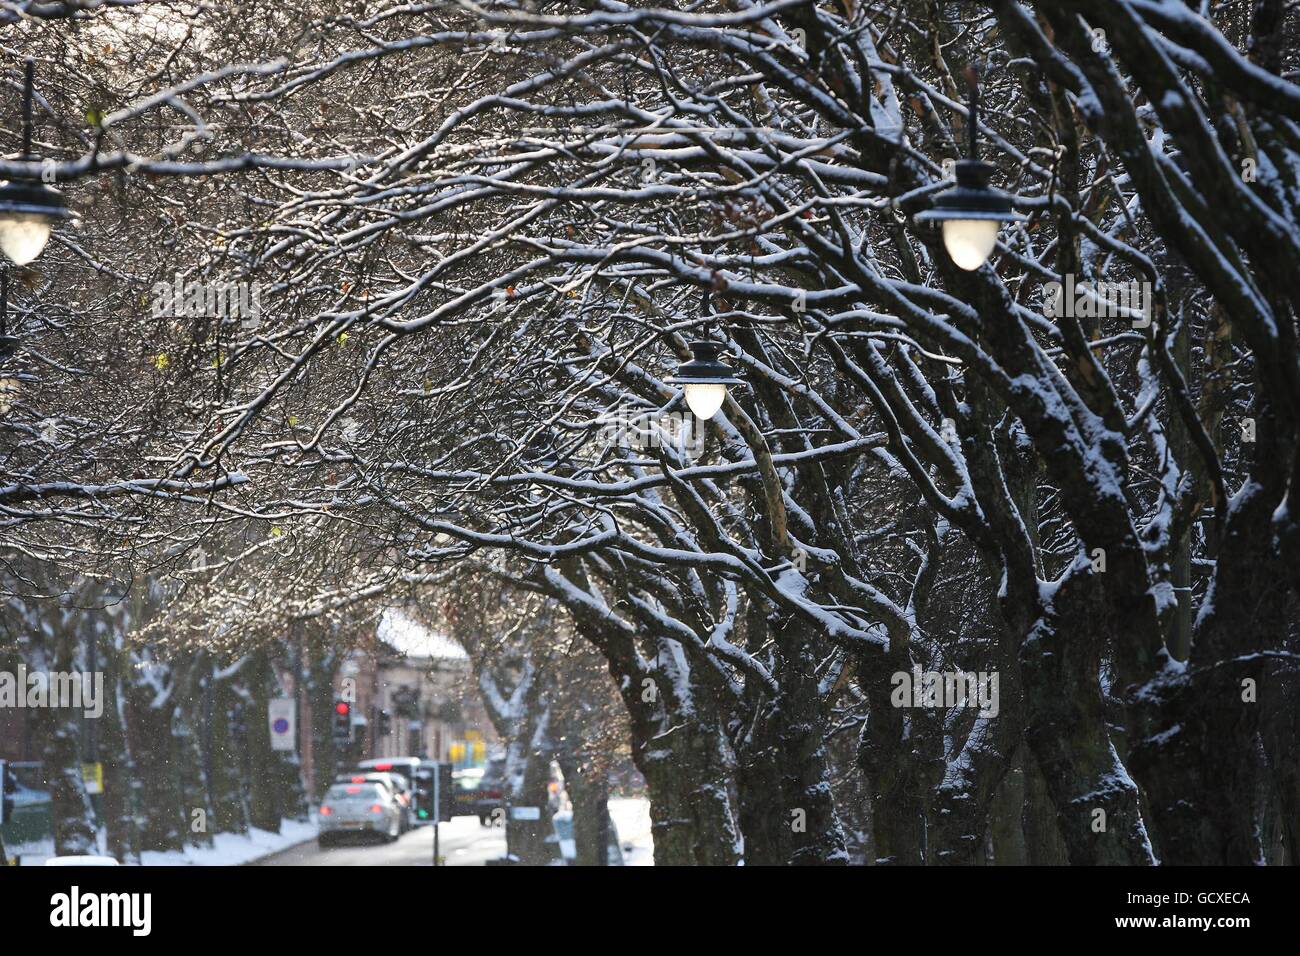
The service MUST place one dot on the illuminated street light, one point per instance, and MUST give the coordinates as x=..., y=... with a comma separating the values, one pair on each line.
x=704, y=379
x=28, y=209
x=971, y=211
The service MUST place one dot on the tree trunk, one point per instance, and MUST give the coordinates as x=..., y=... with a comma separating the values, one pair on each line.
x=680, y=748
x=1005, y=826
x=798, y=713
x=192, y=769
x=767, y=833
x=964, y=800
x=1198, y=753
x=887, y=757
x=685, y=769
x=1280, y=698
x=264, y=772
x=689, y=768
x=226, y=780
x=149, y=718
x=1096, y=802
x=1043, y=843
x=587, y=782
x=322, y=664
x=528, y=776
x=122, y=836
x=70, y=809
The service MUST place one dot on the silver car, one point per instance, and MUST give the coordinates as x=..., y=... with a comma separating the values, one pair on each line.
x=395, y=782
x=359, y=808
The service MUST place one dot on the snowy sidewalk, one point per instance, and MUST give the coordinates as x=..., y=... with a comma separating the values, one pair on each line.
x=632, y=819
x=228, y=849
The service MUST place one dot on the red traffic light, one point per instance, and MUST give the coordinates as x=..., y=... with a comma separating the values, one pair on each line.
x=342, y=708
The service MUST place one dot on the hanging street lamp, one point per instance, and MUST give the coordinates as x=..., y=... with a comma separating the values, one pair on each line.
x=704, y=379
x=28, y=208
x=972, y=211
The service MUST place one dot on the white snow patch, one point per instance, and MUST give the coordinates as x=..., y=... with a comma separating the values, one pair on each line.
x=228, y=849
x=416, y=640
x=631, y=818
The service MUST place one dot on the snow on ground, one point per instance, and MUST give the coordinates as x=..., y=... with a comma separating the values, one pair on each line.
x=632, y=818
x=228, y=849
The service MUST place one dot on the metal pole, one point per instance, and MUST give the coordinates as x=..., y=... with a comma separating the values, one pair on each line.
x=437, y=809
x=29, y=80
x=972, y=117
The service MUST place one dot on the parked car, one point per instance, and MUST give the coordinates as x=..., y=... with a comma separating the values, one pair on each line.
x=475, y=794
x=395, y=782
x=406, y=766
x=407, y=769
x=466, y=785
x=367, y=808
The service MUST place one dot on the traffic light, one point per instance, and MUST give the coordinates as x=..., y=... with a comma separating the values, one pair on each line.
x=385, y=723
x=342, y=721
x=8, y=787
x=424, y=796
x=424, y=808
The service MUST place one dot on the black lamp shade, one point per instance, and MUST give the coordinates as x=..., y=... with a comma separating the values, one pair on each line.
x=971, y=198
x=32, y=199
x=704, y=368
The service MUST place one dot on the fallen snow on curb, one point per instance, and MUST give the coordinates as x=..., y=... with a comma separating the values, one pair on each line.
x=232, y=849
x=228, y=849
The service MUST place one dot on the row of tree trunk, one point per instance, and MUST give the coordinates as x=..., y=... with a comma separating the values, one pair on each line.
x=183, y=738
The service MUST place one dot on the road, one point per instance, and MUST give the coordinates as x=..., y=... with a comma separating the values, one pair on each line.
x=463, y=842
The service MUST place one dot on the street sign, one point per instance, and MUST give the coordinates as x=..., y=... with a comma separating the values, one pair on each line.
x=281, y=715
x=525, y=813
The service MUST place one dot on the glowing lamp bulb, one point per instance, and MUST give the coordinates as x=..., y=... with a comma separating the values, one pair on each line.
x=970, y=242
x=704, y=400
